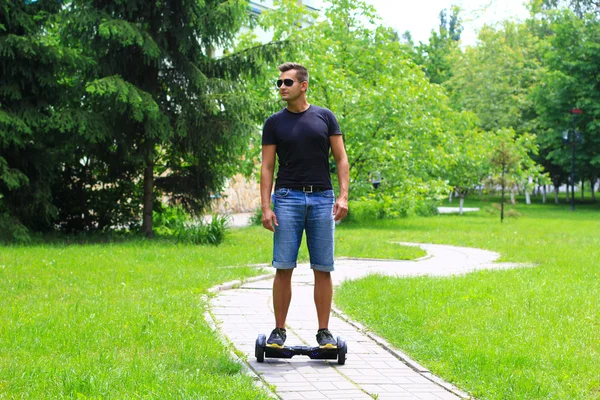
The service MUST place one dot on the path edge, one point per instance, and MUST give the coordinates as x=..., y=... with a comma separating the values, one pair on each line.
x=261, y=383
x=412, y=364
x=212, y=323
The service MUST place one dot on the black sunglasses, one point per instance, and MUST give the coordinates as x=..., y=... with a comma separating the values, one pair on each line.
x=286, y=82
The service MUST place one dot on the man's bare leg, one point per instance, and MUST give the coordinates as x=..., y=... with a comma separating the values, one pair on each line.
x=282, y=295
x=323, y=297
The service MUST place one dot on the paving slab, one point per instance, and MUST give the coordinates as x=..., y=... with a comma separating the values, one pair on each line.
x=373, y=369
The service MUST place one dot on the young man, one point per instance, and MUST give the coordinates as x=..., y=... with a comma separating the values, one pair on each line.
x=300, y=136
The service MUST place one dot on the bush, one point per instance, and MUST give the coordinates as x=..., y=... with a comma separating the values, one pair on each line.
x=170, y=221
x=364, y=210
x=11, y=230
x=256, y=218
x=174, y=221
x=427, y=209
x=369, y=209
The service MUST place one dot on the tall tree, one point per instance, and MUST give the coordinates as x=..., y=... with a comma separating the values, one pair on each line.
x=579, y=7
x=494, y=78
x=571, y=63
x=396, y=123
x=434, y=56
x=511, y=162
x=33, y=72
x=177, y=119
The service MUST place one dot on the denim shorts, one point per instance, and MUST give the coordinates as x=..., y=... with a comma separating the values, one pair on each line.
x=296, y=212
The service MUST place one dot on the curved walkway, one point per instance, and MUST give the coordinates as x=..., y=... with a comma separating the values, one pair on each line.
x=373, y=368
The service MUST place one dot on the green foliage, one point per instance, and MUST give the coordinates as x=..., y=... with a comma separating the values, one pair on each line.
x=579, y=7
x=435, y=56
x=571, y=60
x=32, y=91
x=256, y=218
x=364, y=210
x=177, y=223
x=401, y=131
x=511, y=162
x=381, y=206
x=12, y=231
x=494, y=78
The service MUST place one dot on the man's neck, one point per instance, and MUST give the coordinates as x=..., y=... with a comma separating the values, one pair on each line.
x=298, y=105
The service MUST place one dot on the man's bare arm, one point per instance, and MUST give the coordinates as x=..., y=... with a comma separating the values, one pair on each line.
x=267, y=171
x=340, y=209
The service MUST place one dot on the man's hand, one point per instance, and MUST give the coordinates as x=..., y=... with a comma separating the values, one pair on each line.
x=340, y=209
x=268, y=219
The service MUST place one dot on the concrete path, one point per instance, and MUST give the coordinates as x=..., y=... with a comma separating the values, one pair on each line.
x=373, y=368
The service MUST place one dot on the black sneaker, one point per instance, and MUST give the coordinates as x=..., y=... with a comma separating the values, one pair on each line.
x=326, y=340
x=277, y=338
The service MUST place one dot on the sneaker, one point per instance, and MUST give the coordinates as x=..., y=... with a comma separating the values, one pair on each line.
x=326, y=340
x=277, y=338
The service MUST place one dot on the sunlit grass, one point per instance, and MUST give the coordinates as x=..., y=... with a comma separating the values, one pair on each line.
x=123, y=318
x=517, y=334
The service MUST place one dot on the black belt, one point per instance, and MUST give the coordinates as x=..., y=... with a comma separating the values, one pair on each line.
x=308, y=188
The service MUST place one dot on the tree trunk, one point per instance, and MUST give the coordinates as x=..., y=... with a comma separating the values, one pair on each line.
x=582, y=189
x=148, y=198
x=502, y=198
x=556, y=188
x=450, y=196
x=460, y=206
x=593, y=187
x=512, y=196
x=544, y=194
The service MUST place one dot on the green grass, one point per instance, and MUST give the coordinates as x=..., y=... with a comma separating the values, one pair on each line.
x=124, y=318
x=530, y=333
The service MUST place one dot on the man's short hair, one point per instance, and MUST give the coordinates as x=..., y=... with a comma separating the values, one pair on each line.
x=301, y=71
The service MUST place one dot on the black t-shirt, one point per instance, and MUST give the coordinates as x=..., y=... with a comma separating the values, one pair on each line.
x=302, y=141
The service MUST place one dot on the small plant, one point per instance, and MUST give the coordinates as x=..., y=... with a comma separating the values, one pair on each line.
x=11, y=230
x=508, y=212
x=256, y=218
x=174, y=221
x=170, y=220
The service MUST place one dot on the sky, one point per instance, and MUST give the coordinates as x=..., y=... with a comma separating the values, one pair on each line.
x=421, y=16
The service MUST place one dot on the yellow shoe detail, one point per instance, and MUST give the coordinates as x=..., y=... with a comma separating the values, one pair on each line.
x=328, y=346
x=275, y=345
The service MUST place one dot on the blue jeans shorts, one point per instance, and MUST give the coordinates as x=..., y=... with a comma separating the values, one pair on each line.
x=296, y=212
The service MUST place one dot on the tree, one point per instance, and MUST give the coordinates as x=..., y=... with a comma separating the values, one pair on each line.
x=494, y=78
x=470, y=163
x=434, y=56
x=33, y=85
x=571, y=62
x=579, y=7
x=511, y=161
x=174, y=120
x=395, y=122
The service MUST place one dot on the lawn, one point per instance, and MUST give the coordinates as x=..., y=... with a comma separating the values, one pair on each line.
x=124, y=318
x=531, y=333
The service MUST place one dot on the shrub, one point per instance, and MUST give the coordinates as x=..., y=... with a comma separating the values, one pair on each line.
x=364, y=210
x=11, y=230
x=174, y=221
x=369, y=209
x=256, y=218
x=170, y=220
x=426, y=209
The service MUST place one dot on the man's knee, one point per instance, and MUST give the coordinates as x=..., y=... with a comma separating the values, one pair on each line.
x=284, y=273
x=322, y=274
